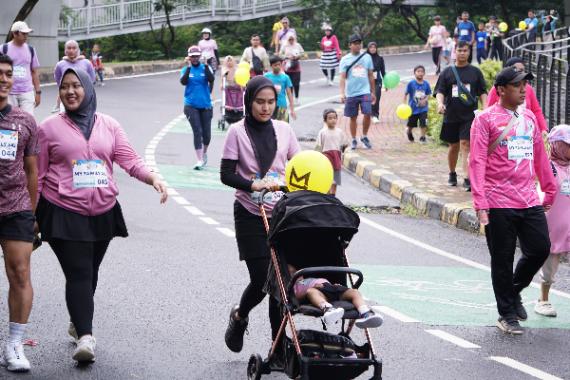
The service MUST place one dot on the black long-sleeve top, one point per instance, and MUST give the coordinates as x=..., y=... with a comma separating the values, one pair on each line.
x=230, y=178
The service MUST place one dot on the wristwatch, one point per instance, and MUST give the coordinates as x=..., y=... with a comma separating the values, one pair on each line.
x=38, y=92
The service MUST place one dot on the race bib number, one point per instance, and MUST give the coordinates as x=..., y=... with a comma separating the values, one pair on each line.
x=358, y=71
x=19, y=72
x=455, y=90
x=464, y=32
x=565, y=188
x=8, y=145
x=520, y=148
x=89, y=173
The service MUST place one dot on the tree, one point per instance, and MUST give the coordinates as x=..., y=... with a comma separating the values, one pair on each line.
x=166, y=36
x=24, y=12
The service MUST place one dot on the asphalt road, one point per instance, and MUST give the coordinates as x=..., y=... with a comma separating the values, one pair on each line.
x=165, y=292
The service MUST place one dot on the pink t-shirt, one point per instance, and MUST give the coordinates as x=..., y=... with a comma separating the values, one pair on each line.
x=208, y=47
x=557, y=217
x=503, y=179
x=238, y=147
x=304, y=284
x=23, y=65
x=437, y=35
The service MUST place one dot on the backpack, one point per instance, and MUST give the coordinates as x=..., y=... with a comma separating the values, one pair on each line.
x=32, y=53
x=256, y=64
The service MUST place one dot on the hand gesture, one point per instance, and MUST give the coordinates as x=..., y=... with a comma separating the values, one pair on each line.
x=161, y=188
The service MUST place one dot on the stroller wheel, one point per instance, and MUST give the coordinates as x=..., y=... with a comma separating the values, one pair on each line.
x=254, y=367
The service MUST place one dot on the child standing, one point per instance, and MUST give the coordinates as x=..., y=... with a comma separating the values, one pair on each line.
x=557, y=216
x=418, y=91
x=447, y=48
x=97, y=62
x=481, y=37
x=283, y=86
x=332, y=141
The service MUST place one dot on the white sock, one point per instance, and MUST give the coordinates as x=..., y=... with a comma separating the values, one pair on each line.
x=17, y=331
x=325, y=305
x=363, y=309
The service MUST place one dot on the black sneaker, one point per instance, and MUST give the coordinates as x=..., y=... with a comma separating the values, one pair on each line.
x=235, y=331
x=452, y=181
x=510, y=326
x=467, y=184
x=423, y=139
x=521, y=311
x=410, y=135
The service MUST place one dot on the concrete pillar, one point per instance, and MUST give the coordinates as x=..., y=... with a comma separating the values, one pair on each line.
x=566, y=12
x=44, y=20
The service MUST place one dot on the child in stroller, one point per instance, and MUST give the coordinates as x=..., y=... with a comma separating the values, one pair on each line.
x=320, y=292
x=232, y=95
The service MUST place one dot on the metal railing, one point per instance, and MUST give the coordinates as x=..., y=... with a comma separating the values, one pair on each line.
x=548, y=62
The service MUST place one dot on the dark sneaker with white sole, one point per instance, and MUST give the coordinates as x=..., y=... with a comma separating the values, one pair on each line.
x=369, y=320
x=521, y=311
x=452, y=180
x=510, y=326
x=234, y=332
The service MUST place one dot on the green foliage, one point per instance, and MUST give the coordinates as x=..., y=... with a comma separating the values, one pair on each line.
x=490, y=68
x=435, y=120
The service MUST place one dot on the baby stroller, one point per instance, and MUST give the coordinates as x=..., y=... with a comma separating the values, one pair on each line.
x=232, y=104
x=311, y=231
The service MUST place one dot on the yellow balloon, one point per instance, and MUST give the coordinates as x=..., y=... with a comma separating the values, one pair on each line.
x=309, y=170
x=503, y=27
x=244, y=65
x=241, y=76
x=522, y=25
x=404, y=111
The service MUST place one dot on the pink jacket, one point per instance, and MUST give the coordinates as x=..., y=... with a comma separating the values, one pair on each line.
x=334, y=46
x=531, y=103
x=557, y=217
x=496, y=181
x=61, y=143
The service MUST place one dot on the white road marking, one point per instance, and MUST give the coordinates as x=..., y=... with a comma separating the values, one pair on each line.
x=452, y=339
x=208, y=220
x=172, y=191
x=227, y=231
x=194, y=211
x=181, y=200
x=524, y=368
x=395, y=314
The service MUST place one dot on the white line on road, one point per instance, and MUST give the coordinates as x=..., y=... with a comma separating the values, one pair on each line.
x=395, y=314
x=452, y=339
x=208, y=220
x=181, y=200
x=194, y=211
x=524, y=368
x=227, y=231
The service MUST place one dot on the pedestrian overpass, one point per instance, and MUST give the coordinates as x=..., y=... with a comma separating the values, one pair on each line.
x=123, y=17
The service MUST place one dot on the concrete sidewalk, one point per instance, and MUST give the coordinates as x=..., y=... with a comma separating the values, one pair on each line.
x=416, y=174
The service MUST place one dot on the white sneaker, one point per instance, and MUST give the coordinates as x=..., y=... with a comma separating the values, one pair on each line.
x=72, y=332
x=205, y=160
x=332, y=315
x=545, y=308
x=199, y=165
x=375, y=120
x=14, y=358
x=85, y=351
x=297, y=102
x=331, y=83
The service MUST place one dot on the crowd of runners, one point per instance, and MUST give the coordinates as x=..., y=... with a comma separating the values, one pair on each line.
x=57, y=177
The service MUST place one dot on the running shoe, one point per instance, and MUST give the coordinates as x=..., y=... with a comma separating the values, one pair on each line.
x=410, y=135
x=375, y=120
x=205, y=159
x=545, y=308
x=369, y=320
x=423, y=139
x=235, y=331
x=297, y=102
x=199, y=165
x=14, y=358
x=452, y=180
x=85, y=350
x=510, y=326
x=332, y=315
x=366, y=142
x=72, y=332
x=467, y=184
x=354, y=144
x=521, y=311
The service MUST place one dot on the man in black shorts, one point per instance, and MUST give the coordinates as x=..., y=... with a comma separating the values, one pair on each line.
x=18, y=192
x=458, y=105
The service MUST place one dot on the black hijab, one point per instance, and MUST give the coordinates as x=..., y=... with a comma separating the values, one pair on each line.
x=84, y=116
x=261, y=134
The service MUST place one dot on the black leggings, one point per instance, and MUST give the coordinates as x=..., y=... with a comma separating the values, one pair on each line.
x=326, y=72
x=80, y=262
x=253, y=293
x=296, y=80
x=435, y=56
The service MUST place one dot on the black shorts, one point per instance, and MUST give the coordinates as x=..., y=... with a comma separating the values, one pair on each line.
x=453, y=132
x=332, y=292
x=17, y=226
x=421, y=117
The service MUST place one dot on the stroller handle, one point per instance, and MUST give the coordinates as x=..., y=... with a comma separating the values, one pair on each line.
x=263, y=192
x=314, y=270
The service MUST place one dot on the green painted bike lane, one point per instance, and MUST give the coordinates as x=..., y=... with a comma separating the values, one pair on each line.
x=456, y=296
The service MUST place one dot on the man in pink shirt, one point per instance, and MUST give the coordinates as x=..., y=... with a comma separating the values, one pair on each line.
x=507, y=154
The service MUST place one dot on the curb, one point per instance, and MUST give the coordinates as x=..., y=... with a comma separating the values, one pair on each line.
x=460, y=215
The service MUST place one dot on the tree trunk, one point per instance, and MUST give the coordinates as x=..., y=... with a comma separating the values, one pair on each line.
x=22, y=14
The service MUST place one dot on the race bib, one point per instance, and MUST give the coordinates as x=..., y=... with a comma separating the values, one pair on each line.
x=520, y=148
x=89, y=173
x=565, y=188
x=19, y=72
x=464, y=32
x=270, y=177
x=419, y=94
x=455, y=91
x=8, y=145
x=480, y=39
x=358, y=71
x=328, y=43
x=278, y=88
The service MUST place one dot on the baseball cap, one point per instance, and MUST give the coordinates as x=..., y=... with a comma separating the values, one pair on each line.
x=510, y=75
x=437, y=18
x=20, y=26
x=194, y=51
x=354, y=38
x=274, y=59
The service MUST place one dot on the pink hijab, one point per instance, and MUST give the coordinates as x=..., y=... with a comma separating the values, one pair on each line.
x=559, y=139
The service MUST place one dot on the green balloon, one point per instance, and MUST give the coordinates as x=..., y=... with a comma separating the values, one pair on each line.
x=391, y=80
